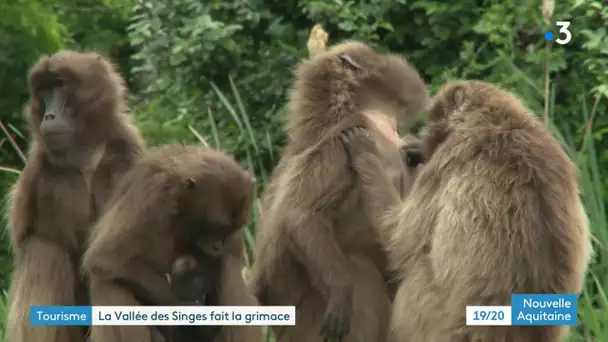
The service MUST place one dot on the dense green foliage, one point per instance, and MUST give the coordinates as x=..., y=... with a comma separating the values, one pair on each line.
x=223, y=69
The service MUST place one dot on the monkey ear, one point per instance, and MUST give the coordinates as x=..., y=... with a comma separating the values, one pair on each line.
x=346, y=59
x=458, y=96
x=189, y=183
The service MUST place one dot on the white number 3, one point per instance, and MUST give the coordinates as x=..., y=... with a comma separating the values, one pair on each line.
x=563, y=28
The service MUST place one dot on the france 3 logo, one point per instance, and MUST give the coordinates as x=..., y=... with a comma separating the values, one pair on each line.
x=564, y=36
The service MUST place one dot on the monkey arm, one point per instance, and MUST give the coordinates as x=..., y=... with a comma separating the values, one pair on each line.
x=415, y=223
x=380, y=197
x=132, y=241
x=405, y=226
x=315, y=246
x=45, y=272
x=316, y=196
x=143, y=279
x=23, y=205
x=146, y=283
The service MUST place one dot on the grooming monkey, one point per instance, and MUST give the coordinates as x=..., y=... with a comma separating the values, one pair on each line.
x=409, y=145
x=494, y=211
x=82, y=143
x=315, y=248
x=173, y=197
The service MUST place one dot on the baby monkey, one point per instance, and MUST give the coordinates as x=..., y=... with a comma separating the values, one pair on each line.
x=194, y=272
x=193, y=279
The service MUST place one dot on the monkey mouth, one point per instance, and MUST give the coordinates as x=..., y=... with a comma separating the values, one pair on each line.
x=56, y=133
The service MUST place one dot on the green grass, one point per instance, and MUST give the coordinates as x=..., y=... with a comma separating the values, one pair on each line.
x=593, y=301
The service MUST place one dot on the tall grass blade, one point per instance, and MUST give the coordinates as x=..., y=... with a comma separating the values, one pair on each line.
x=198, y=136
x=214, y=130
x=228, y=106
x=13, y=142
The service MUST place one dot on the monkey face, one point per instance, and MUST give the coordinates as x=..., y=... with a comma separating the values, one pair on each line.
x=57, y=126
x=385, y=124
x=213, y=207
x=450, y=100
x=384, y=82
x=453, y=102
x=455, y=99
x=74, y=98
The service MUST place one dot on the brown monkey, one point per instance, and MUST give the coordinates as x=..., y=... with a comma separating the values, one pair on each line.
x=193, y=273
x=82, y=142
x=194, y=280
x=494, y=211
x=410, y=145
x=173, y=196
x=315, y=249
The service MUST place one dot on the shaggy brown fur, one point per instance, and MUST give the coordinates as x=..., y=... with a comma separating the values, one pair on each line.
x=82, y=143
x=494, y=211
x=315, y=249
x=173, y=196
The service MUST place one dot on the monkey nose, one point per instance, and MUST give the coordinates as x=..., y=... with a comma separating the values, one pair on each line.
x=49, y=116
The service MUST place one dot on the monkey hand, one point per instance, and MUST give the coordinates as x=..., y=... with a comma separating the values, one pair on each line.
x=414, y=153
x=357, y=141
x=336, y=324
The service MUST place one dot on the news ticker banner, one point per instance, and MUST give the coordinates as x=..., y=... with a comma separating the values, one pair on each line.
x=163, y=315
x=527, y=309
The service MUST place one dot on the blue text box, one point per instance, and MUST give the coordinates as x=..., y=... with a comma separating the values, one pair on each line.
x=61, y=315
x=544, y=309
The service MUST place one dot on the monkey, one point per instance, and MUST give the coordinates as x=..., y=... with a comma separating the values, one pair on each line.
x=192, y=274
x=82, y=142
x=494, y=211
x=193, y=277
x=409, y=145
x=314, y=249
x=174, y=195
